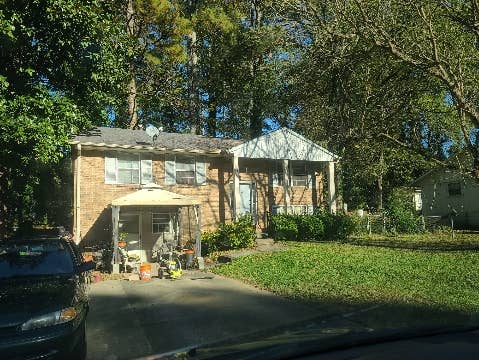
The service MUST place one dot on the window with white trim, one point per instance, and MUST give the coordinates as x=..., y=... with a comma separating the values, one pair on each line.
x=185, y=170
x=299, y=174
x=127, y=168
x=161, y=223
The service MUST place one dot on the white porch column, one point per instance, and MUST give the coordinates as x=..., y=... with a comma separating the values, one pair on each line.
x=115, y=221
x=236, y=187
x=198, y=230
x=331, y=188
x=286, y=187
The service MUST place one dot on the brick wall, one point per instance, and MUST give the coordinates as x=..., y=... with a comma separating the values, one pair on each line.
x=96, y=196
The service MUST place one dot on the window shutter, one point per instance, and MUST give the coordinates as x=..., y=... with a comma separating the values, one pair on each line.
x=200, y=171
x=110, y=170
x=170, y=171
x=146, y=171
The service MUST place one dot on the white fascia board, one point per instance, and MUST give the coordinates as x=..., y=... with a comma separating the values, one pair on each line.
x=283, y=144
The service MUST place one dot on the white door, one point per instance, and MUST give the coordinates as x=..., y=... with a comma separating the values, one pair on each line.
x=130, y=225
x=247, y=198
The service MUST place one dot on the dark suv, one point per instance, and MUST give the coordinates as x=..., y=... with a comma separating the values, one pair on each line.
x=43, y=299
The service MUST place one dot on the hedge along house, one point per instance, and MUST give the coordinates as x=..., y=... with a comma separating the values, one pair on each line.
x=168, y=190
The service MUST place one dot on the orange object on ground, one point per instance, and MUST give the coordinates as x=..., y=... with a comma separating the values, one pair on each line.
x=145, y=272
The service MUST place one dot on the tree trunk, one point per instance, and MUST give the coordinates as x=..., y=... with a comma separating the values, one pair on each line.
x=380, y=180
x=131, y=87
x=132, y=105
x=211, y=125
x=193, y=107
x=254, y=107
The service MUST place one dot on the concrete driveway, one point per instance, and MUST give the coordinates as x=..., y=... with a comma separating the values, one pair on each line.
x=129, y=319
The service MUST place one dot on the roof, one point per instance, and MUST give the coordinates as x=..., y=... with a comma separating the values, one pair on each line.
x=153, y=195
x=138, y=139
x=280, y=144
x=441, y=170
x=283, y=144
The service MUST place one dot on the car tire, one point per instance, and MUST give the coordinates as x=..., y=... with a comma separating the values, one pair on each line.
x=79, y=352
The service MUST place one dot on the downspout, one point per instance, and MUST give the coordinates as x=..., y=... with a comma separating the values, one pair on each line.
x=77, y=190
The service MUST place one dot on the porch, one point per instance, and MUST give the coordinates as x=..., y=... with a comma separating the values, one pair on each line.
x=151, y=220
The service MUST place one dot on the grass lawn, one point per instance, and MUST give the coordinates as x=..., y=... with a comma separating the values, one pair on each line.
x=462, y=240
x=339, y=273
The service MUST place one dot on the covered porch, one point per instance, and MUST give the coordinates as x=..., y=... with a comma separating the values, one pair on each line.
x=152, y=219
x=286, y=148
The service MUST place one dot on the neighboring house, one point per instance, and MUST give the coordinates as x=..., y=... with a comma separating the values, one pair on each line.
x=170, y=189
x=444, y=191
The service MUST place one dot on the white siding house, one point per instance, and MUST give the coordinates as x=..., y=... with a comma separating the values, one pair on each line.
x=444, y=191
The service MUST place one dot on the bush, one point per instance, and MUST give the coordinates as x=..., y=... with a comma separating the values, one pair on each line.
x=401, y=213
x=283, y=227
x=319, y=226
x=310, y=227
x=338, y=226
x=236, y=235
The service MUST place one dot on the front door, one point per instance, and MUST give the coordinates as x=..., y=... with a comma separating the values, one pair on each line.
x=247, y=198
x=130, y=229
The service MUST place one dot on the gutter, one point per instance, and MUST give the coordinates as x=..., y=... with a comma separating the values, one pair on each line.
x=148, y=148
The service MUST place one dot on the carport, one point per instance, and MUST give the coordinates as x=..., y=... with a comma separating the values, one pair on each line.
x=152, y=198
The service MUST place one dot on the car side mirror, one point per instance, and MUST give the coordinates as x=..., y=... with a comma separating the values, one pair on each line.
x=86, y=266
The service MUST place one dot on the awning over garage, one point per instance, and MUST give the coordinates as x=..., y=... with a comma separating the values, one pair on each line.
x=154, y=196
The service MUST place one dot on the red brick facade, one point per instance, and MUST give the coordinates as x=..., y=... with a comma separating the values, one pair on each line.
x=96, y=196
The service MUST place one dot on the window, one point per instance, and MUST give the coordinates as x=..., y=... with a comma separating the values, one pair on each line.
x=454, y=189
x=125, y=168
x=185, y=170
x=128, y=169
x=299, y=175
x=160, y=223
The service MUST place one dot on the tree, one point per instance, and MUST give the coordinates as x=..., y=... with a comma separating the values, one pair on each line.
x=61, y=67
x=371, y=109
x=436, y=39
x=156, y=29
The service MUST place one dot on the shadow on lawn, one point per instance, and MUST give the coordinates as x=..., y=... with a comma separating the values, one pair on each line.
x=220, y=315
x=412, y=244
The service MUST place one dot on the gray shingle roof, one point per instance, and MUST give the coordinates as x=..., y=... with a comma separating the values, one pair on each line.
x=117, y=136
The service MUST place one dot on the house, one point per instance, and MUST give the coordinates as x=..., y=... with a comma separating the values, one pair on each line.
x=443, y=191
x=127, y=185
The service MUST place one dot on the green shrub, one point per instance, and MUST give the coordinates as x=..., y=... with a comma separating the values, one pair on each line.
x=336, y=226
x=208, y=242
x=402, y=217
x=283, y=227
x=236, y=235
x=319, y=226
x=310, y=227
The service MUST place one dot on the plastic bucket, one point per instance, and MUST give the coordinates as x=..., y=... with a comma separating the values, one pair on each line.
x=145, y=272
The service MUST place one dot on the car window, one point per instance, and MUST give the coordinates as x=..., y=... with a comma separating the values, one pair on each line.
x=34, y=259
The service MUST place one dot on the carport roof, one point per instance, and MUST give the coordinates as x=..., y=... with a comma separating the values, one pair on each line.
x=154, y=196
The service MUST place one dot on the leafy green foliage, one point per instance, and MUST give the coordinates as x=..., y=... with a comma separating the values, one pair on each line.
x=229, y=236
x=401, y=213
x=335, y=274
x=283, y=227
x=61, y=67
x=322, y=225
